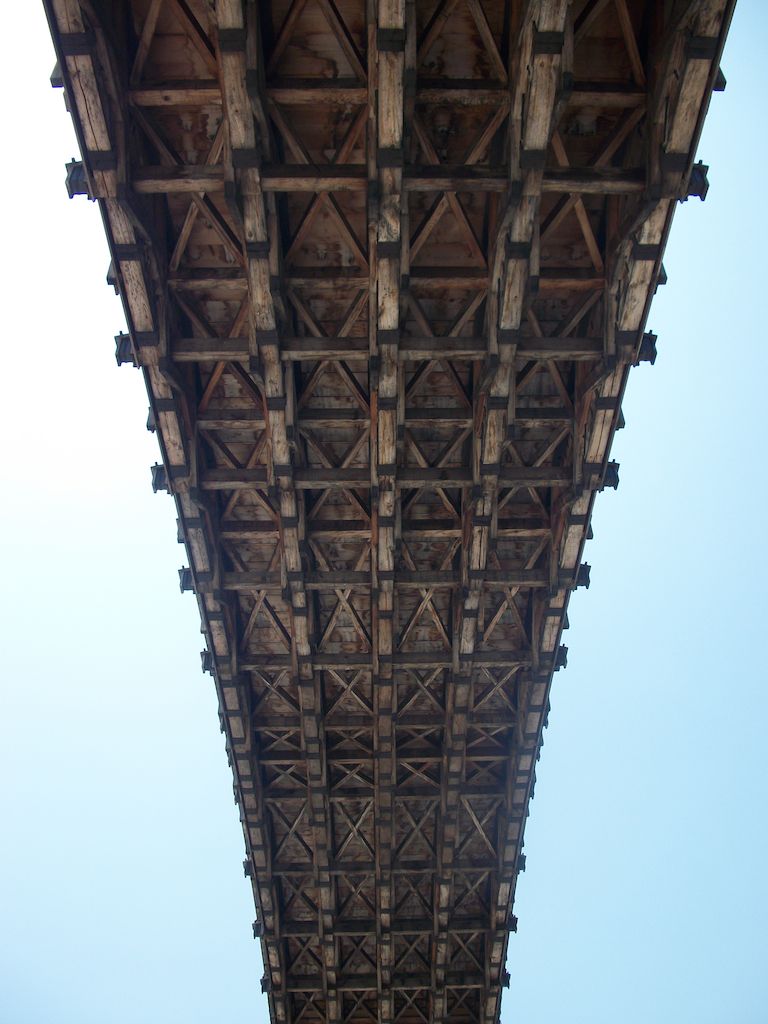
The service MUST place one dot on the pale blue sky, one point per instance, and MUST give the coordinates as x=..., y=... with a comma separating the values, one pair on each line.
x=121, y=887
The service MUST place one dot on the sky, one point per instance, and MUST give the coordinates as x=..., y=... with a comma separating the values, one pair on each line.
x=122, y=894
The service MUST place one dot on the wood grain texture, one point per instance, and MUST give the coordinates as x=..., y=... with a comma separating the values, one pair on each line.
x=386, y=266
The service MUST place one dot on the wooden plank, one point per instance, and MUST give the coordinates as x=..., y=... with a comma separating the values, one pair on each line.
x=193, y=93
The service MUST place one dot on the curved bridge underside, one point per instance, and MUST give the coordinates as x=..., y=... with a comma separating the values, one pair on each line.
x=386, y=265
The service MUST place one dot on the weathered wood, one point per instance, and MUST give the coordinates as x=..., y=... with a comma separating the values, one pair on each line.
x=177, y=94
x=340, y=178
x=386, y=266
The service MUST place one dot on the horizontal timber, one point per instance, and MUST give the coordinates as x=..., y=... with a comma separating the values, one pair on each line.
x=354, y=177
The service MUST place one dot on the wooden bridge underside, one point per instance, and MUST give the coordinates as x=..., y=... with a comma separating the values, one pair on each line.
x=386, y=265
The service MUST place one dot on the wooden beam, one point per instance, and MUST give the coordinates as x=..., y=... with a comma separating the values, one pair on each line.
x=193, y=93
x=353, y=177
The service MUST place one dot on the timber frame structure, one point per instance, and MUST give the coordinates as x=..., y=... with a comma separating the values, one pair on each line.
x=386, y=265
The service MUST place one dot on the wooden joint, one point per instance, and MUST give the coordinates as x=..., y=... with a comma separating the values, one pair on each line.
x=626, y=340
x=548, y=42
x=646, y=253
x=76, y=44
x=518, y=250
x=390, y=40
x=388, y=337
x=101, y=159
x=390, y=156
x=275, y=403
x=508, y=335
x=701, y=48
x=266, y=339
x=388, y=250
x=231, y=40
x=533, y=159
x=673, y=163
x=607, y=403
x=498, y=403
x=257, y=250
x=242, y=158
x=128, y=253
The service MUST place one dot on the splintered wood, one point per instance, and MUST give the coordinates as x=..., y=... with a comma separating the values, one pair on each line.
x=386, y=265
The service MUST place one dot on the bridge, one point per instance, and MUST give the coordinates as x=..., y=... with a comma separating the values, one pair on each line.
x=386, y=266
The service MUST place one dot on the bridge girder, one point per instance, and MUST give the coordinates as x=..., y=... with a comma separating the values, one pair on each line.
x=386, y=265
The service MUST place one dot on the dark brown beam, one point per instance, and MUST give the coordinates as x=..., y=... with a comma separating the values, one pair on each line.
x=367, y=926
x=406, y=720
x=196, y=93
x=254, y=579
x=313, y=91
x=209, y=350
x=193, y=350
x=303, y=479
x=606, y=94
x=476, y=866
x=367, y=982
x=407, y=478
x=411, y=528
x=353, y=177
x=159, y=180
x=559, y=348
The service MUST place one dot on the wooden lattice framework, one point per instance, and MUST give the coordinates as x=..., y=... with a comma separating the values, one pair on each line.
x=386, y=265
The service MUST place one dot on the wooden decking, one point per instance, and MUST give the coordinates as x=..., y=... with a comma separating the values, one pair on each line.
x=386, y=267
